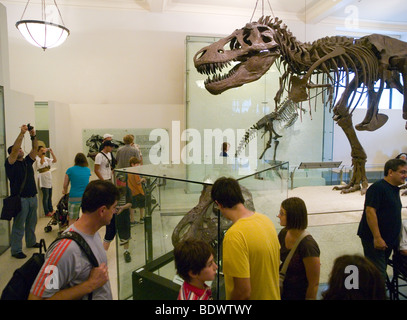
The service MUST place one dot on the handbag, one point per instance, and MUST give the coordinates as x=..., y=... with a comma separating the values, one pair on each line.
x=288, y=259
x=12, y=204
x=11, y=207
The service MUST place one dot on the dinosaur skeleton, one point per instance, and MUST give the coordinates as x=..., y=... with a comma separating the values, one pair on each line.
x=201, y=222
x=369, y=59
x=286, y=113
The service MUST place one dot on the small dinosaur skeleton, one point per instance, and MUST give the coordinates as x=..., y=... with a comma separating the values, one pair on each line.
x=286, y=113
x=369, y=59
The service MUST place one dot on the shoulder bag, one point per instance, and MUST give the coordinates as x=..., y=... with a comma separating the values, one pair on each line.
x=12, y=204
x=288, y=259
x=108, y=160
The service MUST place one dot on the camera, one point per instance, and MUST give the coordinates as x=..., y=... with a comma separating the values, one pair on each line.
x=30, y=127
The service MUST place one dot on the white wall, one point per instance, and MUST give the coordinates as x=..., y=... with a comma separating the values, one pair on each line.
x=60, y=142
x=4, y=57
x=118, y=56
x=18, y=106
x=19, y=110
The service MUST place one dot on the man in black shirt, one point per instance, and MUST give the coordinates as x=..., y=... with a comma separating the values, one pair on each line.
x=19, y=170
x=380, y=226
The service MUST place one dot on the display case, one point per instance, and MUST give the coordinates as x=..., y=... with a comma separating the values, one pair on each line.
x=175, y=208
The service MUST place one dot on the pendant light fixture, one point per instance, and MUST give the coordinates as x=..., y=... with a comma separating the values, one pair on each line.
x=49, y=32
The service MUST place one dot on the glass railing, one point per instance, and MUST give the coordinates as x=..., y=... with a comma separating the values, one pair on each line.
x=178, y=205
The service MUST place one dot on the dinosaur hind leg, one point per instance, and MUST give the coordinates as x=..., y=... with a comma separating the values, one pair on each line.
x=269, y=128
x=373, y=120
x=344, y=120
x=276, y=142
x=268, y=146
x=400, y=63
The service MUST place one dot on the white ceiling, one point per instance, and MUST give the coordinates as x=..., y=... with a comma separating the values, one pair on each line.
x=311, y=11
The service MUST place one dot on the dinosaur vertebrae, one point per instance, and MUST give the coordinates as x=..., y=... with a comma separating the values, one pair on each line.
x=287, y=113
x=355, y=56
x=295, y=53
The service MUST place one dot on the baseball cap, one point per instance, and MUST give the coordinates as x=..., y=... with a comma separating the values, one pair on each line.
x=107, y=135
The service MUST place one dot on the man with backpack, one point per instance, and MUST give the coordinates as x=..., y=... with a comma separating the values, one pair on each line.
x=103, y=161
x=67, y=273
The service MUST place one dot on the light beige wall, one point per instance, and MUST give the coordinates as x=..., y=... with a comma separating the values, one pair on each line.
x=4, y=55
x=61, y=143
x=119, y=56
x=19, y=110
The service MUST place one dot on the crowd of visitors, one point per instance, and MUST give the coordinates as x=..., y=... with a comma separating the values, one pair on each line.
x=257, y=262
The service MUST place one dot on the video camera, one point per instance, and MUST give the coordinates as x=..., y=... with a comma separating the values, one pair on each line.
x=30, y=127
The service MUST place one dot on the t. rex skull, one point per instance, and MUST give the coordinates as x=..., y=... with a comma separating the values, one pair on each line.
x=252, y=47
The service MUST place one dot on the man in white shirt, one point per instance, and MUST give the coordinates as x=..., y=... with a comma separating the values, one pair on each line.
x=103, y=161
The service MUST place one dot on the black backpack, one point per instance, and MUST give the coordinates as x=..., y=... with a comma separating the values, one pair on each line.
x=19, y=286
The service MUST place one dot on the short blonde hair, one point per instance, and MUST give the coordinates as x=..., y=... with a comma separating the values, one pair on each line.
x=128, y=139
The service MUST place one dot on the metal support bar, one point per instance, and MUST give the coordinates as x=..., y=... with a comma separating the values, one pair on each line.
x=314, y=165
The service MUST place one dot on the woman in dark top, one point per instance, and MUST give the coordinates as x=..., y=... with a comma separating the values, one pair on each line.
x=302, y=276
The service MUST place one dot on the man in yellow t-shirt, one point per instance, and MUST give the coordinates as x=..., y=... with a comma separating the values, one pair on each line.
x=251, y=250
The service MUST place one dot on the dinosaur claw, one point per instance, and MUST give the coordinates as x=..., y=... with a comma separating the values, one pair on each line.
x=377, y=122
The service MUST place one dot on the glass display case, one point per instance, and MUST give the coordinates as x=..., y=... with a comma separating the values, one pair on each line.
x=173, y=193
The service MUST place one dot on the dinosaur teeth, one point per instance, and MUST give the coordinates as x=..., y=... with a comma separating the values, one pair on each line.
x=213, y=70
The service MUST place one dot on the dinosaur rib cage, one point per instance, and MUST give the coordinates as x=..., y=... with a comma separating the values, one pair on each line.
x=357, y=61
x=359, y=58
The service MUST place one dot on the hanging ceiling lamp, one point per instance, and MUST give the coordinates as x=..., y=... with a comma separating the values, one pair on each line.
x=49, y=32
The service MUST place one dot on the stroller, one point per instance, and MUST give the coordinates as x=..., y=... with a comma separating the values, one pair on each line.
x=60, y=217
